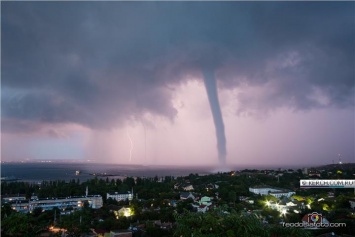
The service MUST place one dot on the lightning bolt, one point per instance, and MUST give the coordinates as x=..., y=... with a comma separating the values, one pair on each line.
x=131, y=149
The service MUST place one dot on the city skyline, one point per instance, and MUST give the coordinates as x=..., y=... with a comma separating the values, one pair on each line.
x=123, y=82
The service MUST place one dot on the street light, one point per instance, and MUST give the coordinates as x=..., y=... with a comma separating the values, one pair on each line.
x=283, y=212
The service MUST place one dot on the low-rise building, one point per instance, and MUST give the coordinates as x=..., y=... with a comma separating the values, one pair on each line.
x=20, y=206
x=120, y=196
x=120, y=211
x=121, y=233
x=211, y=186
x=268, y=190
x=188, y=187
x=200, y=208
x=94, y=201
x=205, y=201
x=186, y=195
x=11, y=198
x=124, y=211
x=284, y=193
x=163, y=225
x=312, y=172
x=352, y=203
x=331, y=195
x=263, y=190
x=249, y=200
x=177, y=185
x=25, y=206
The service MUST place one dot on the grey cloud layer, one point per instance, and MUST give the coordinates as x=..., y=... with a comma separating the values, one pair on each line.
x=94, y=63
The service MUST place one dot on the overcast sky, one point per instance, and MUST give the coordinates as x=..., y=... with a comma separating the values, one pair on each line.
x=122, y=82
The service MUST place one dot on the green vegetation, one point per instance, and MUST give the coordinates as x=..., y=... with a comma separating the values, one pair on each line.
x=220, y=223
x=235, y=211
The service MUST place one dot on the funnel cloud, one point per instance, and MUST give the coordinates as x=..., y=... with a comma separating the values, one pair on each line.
x=211, y=88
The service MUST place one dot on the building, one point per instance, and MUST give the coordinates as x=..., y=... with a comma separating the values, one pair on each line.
x=267, y=190
x=188, y=187
x=200, y=208
x=20, y=206
x=25, y=206
x=120, y=196
x=263, y=190
x=284, y=193
x=185, y=196
x=285, y=206
x=9, y=198
x=352, y=204
x=94, y=201
x=121, y=233
x=312, y=172
x=205, y=201
x=123, y=211
x=163, y=225
x=177, y=186
x=211, y=186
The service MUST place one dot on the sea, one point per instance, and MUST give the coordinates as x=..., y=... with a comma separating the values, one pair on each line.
x=38, y=172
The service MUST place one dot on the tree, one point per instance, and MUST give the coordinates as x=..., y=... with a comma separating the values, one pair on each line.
x=232, y=197
x=19, y=224
x=184, y=205
x=111, y=201
x=77, y=223
x=37, y=211
x=218, y=224
x=6, y=210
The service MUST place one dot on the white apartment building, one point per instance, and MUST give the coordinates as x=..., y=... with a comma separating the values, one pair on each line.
x=284, y=193
x=267, y=190
x=120, y=196
x=263, y=190
x=25, y=206
x=9, y=198
x=94, y=201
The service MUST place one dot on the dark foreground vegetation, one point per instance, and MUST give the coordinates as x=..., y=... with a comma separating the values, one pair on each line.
x=158, y=209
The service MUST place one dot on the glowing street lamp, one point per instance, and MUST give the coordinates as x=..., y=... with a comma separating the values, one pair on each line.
x=128, y=212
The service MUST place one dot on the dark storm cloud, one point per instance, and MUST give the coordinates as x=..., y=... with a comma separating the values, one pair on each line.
x=94, y=63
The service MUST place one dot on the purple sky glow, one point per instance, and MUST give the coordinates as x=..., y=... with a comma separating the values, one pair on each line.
x=81, y=78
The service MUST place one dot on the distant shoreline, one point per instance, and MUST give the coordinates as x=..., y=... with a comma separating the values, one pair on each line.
x=208, y=166
x=38, y=172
